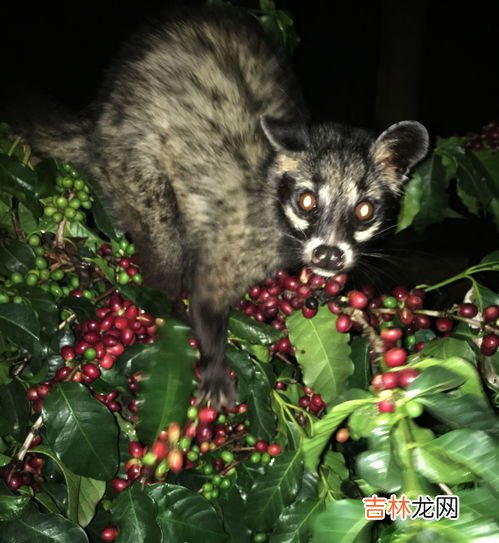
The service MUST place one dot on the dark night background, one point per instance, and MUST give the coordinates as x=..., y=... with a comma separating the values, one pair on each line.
x=362, y=63
x=367, y=64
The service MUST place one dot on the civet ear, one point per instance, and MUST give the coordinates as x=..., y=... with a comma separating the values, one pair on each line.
x=398, y=149
x=285, y=135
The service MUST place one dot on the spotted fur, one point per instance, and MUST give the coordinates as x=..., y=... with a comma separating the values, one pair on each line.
x=199, y=141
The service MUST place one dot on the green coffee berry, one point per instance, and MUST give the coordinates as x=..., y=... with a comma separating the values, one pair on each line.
x=31, y=279
x=70, y=213
x=17, y=278
x=41, y=263
x=49, y=211
x=57, y=275
x=34, y=240
x=56, y=290
x=67, y=183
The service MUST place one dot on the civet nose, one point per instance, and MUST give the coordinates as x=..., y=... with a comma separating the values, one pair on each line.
x=331, y=258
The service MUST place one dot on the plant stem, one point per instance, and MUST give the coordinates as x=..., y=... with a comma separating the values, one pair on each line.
x=375, y=342
x=16, y=222
x=59, y=236
x=29, y=439
x=286, y=408
x=486, y=266
x=440, y=314
x=15, y=143
x=410, y=480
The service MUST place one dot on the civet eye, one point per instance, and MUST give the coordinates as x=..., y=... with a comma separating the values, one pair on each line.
x=364, y=211
x=307, y=201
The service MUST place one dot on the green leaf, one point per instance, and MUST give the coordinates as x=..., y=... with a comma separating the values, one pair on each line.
x=166, y=389
x=411, y=201
x=342, y=521
x=19, y=181
x=247, y=329
x=439, y=470
x=335, y=473
x=475, y=186
x=480, y=500
x=19, y=323
x=134, y=513
x=151, y=300
x=267, y=5
x=83, y=308
x=91, y=493
x=434, y=379
x=16, y=256
x=380, y=470
x=47, y=501
x=491, y=257
x=75, y=229
x=44, y=305
x=4, y=460
x=294, y=525
x=322, y=352
x=233, y=509
x=277, y=489
x=472, y=382
x=81, y=431
x=309, y=486
x=484, y=296
x=136, y=358
x=11, y=505
x=475, y=450
x=83, y=493
x=103, y=219
x=324, y=429
x=362, y=420
x=269, y=24
x=14, y=410
x=459, y=410
x=260, y=352
x=184, y=515
x=28, y=223
x=448, y=347
x=47, y=172
x=362, y=375
x=434, y=201
x=240, y=361
x=260, y=412
x=33, y=526
x=490, y=162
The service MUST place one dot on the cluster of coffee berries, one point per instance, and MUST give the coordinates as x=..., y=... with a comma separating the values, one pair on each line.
x=489, y=319
x=47, y=274
x=99, y=343
x=275, y=299
x=121, y=254
x=29, y=474
x=312, y=402
x=72, y=195
x=487, y=138
x=153, y=463
x=385, y=383
x=212, y=443
x=398, y=317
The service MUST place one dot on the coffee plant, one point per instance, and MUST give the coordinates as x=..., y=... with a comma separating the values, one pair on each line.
x=345, y=394
x=356, y=411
